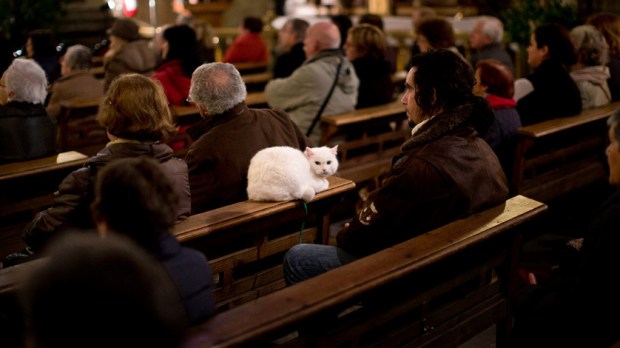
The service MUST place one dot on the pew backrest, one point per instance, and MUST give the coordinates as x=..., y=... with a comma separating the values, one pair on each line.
x=367, y=139
x=245, y=241
x=78, y=128
x=437, y=289
x=557, y=156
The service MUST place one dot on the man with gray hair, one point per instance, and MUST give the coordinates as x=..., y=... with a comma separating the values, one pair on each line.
x=228, y=136
x=326, y=79
x=289, y=54
x=486, y=39
x=26, y=131
x=76, y=81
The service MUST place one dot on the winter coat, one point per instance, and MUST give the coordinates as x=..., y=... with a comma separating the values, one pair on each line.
x=247, y=47
x=444, y=172
x=192, y=276
x=133, y=57
x=614, y=79
x=592, y=84
x=78, y=84
x=555, y=94
x=26, y=132
x=71, y=203
x=287, y=62
x=493, y=51
x=501, y=135
x=173, y=80
x=302, y=94
x=218, y=160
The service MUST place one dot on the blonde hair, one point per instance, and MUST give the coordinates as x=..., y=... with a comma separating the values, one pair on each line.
x=136, y=108
x=369, y=39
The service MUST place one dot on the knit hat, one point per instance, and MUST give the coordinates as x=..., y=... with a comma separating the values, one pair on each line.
x=125, y=29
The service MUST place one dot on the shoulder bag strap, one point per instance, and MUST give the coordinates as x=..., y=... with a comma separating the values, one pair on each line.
x=331, y=90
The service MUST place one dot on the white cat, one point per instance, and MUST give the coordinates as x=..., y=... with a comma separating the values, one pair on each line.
x=283, y=173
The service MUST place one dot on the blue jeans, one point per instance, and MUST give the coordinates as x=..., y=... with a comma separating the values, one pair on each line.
x=304, y=261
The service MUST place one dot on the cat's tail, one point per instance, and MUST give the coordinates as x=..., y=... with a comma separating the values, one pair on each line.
x=307, y=193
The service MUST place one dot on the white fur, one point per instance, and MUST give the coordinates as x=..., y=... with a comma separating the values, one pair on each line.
x=283, y=173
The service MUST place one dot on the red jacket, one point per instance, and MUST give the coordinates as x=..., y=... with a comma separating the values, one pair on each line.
x=176, y=84
x=247, y=47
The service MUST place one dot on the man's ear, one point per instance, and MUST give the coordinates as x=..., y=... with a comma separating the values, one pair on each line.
x=203, y=110
x=545, y=51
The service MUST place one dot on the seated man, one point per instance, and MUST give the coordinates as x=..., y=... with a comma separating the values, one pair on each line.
x=303, y=93
x=290, y=53
x=445, y=171
x=486, y=38
x=76, y=80
x=229, y=136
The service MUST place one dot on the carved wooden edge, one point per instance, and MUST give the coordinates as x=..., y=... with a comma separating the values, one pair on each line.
x=243, y=212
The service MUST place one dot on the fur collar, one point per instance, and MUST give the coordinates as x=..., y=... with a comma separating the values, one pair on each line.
x=439, y=125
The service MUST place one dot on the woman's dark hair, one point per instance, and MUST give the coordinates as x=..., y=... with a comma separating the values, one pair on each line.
x=183, y=45
x=135, y=197
x=43, y=43
x=557, y=39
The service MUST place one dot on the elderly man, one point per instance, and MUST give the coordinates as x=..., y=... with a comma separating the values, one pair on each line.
x=290, y=53
x=326, y=79
x=76, y=80
x=26, y=131
x=229, y=136
x=445, y=170
x=486, y=38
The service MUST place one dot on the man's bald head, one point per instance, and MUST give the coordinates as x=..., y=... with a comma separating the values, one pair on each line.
x=321, y=36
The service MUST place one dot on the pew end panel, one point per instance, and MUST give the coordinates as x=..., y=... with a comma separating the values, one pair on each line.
x=245, y=242
x=438, y=289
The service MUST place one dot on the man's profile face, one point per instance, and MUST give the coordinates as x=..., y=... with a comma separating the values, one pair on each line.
x=414, y=113
x=310, y=42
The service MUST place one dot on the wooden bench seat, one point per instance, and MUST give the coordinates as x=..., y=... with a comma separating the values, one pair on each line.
x=245, y=242
x=557, y=156
x=367, y=139
x=438, y=290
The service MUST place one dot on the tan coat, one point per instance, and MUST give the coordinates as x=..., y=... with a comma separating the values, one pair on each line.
x=78, y=84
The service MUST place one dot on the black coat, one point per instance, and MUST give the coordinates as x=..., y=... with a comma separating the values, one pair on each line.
x=375, y=82
x=287, y=62
x=26, y=132
x=555, y=94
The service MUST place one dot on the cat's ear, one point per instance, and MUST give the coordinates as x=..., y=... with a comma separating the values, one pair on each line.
x=309, y=152
x=334, y=149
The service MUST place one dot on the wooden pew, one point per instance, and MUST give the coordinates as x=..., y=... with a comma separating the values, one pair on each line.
x=251, y=67
x=27, y=188
x=256, y=82
x=245, y=242
x=436, y=290
x=557, y=156
x=367, y=139
x=78, y=128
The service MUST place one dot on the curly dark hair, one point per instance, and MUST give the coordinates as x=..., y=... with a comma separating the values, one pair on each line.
x=443, y=80
x=557, y=39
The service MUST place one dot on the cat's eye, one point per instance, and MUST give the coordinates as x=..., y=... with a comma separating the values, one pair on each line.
x=329, y=162
x=317, y=163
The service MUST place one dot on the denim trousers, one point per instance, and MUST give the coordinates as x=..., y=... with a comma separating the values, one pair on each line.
x=304, y=261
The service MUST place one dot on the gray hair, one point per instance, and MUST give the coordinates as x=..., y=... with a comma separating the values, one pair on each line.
x=78, y=57
x=299, y=27
x=217, y=87
x=493, y=28
x=27, y=81
x=590, y=45
x=614, y=123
